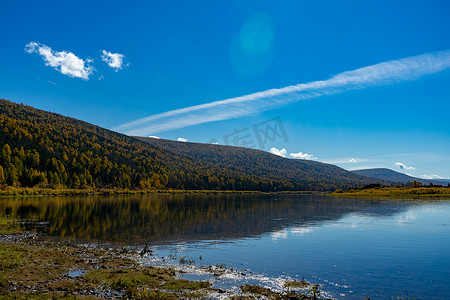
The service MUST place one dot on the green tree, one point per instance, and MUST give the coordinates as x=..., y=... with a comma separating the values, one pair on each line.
x=6, y=155
x=76, y=181
x=2, y=176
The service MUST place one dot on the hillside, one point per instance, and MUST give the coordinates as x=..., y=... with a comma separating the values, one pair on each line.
x=44, y=149
x=391, y=175
x=304, y=174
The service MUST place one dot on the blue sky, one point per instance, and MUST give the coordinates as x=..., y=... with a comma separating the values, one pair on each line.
x=111, y=63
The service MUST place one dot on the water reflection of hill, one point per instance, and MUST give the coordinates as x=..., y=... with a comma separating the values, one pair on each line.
x=163, y=218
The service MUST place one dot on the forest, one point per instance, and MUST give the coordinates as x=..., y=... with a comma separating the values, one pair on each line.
x=48, y=150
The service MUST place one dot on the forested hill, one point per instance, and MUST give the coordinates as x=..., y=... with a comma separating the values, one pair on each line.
x=44, y=149
x=39, y=148
x=304, y=174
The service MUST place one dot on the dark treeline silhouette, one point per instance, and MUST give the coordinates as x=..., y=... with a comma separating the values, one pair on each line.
x=418, y=184
x=400, y=178
x=43, y=149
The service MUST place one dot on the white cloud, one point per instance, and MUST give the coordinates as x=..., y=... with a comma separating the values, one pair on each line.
x=65, y=62
x=431, y=176
x=281, y=152
x=349, y=160
x=180, y=139
x=114, y=60
x=403, y=166
x=300, y=231
x=385, y=73
x=281, y=234
x=407, y=218
x=154, y=137
x=302, y=155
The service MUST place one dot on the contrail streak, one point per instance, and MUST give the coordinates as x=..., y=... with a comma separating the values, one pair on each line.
x=394, y=71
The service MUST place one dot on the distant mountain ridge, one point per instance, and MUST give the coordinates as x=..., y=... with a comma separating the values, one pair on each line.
x=391, y=175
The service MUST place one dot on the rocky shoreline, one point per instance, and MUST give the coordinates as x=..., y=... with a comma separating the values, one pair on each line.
x=34, y=269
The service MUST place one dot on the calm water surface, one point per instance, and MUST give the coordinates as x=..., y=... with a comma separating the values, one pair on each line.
x=352, y=247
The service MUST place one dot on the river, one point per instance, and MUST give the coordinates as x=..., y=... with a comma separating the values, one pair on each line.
x=353, y=248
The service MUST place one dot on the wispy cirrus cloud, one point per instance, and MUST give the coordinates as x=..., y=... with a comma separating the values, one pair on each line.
x=63, y=61
x=431, y=176
x=385, y=73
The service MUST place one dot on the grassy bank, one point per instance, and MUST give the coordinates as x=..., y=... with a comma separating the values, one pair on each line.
x=25, y=191
x=396, y=192
x=9, y=227
x=62, y=271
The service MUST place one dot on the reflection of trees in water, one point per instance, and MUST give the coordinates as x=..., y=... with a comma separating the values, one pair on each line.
x=153, y=218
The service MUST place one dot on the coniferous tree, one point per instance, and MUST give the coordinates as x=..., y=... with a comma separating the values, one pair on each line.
x=2, y=176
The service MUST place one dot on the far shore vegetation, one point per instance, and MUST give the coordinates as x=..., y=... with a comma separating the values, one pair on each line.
x=9, y=191
x=414, y=190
